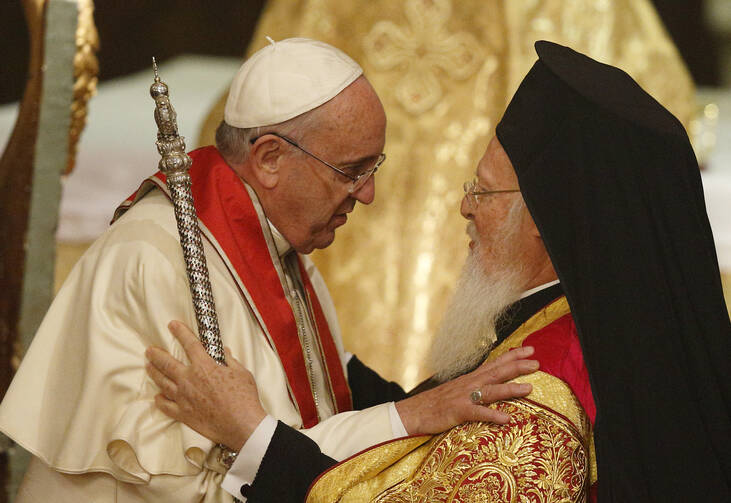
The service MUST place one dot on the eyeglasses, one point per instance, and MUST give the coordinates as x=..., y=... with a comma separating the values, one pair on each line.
x=472, y=193
x=357, y=181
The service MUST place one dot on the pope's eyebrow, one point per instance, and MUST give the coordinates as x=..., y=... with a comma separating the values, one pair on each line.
x=356, y=163
x=360, y=160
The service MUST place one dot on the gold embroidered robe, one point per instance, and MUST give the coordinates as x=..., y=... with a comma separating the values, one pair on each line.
x=545, y=453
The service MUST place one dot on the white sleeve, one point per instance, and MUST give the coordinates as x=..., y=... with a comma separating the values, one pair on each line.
x=397, y=426
x=348, y=433
x=244, y=468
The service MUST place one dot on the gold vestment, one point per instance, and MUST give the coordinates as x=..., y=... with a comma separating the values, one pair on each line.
x=544, y=454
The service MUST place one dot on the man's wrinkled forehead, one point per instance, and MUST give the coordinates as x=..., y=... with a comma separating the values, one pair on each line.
x=495, y=167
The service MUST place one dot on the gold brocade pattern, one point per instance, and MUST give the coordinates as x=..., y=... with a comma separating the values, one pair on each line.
x=371, y=470
x=422, y=48
x=552, y=393
x=544, y=454
x=445, y=71
x=540, y=457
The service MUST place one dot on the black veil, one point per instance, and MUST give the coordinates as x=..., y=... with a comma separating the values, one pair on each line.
x=612, y=183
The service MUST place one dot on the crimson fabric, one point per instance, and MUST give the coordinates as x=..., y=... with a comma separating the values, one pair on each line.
x=558, y=352
x=225, y=208
x=612, y=183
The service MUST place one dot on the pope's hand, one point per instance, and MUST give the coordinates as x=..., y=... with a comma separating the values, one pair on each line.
x=221, y=403
x=450, y=404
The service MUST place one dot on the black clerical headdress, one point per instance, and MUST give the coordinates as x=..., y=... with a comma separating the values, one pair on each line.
x=612, y=183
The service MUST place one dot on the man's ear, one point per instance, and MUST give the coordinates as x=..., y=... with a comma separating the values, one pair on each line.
x=265, y=155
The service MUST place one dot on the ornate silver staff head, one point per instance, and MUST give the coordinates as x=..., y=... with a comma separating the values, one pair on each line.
x=170, y=144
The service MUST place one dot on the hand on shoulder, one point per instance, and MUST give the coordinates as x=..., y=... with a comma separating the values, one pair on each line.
x=451, y=403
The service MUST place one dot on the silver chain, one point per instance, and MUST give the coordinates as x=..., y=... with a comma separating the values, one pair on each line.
x=299, y=315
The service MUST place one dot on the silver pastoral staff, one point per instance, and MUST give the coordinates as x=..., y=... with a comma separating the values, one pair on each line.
x=174, y=165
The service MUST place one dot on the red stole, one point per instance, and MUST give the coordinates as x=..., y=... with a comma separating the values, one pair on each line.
x=558, y=351
x=227, y=212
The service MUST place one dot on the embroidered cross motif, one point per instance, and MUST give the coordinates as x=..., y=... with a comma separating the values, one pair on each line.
x=423, y=48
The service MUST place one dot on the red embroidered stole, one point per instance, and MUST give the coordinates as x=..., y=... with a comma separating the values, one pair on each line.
x=228, y=218
x=558, y=351
x=552, y=333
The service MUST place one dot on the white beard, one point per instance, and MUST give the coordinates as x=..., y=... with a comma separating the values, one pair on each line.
x=467, y=332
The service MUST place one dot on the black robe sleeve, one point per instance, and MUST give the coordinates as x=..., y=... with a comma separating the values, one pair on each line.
x=293, y=460
x=368, y=388
x=291, y=463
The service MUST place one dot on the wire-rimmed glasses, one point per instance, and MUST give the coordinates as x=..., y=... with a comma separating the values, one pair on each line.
x=357, y=181
x=473, y=192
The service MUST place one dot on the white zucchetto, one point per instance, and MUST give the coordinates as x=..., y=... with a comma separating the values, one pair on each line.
x=286, y=79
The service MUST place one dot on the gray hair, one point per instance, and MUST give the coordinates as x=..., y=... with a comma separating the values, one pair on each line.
x=234, y=143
